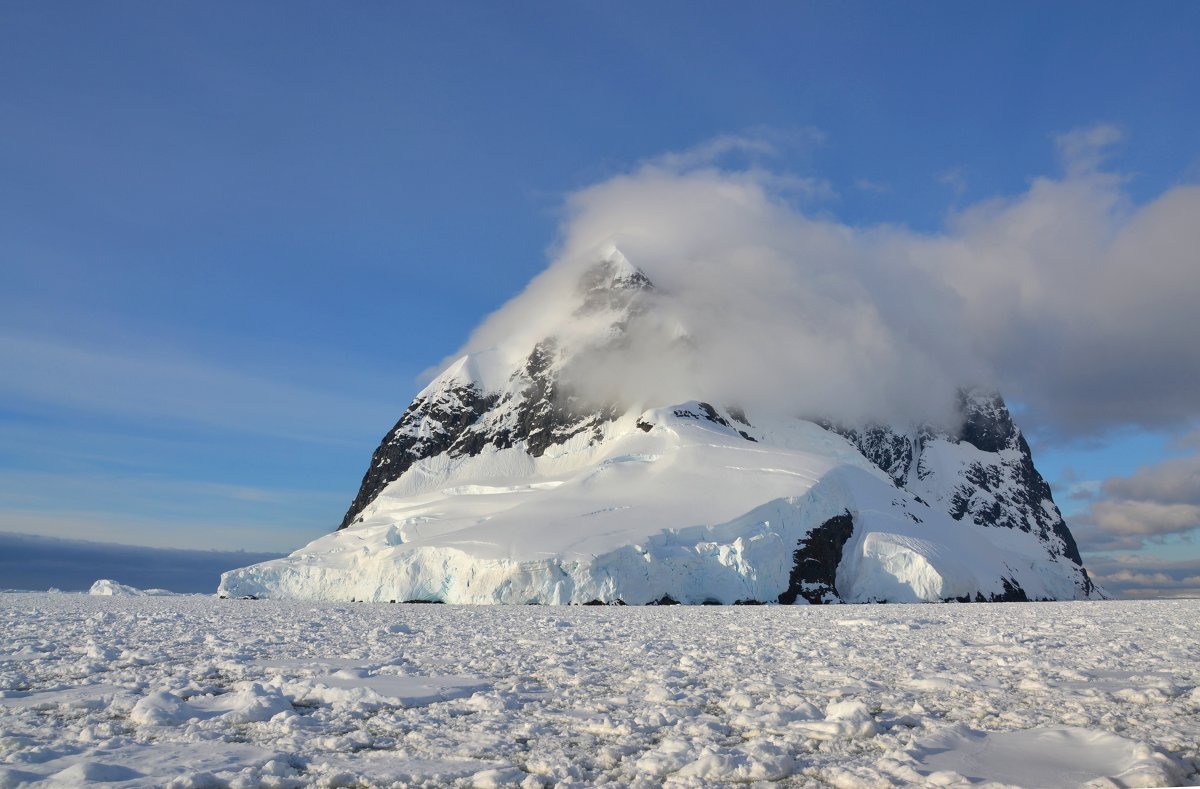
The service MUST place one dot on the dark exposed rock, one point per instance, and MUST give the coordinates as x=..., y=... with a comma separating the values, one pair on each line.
x=546, y=417
x=738, y=415
x=1015, y=491
x=1013, y=593
x=711, y=414
x=986, y=425
x=664, y=600
x=892, y=452
x=815, y=562
x=453, y=410
x=455, y=422
x=1008, y=492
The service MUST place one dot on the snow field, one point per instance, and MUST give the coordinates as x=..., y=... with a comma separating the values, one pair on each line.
x=689, y=509
x=198, y=692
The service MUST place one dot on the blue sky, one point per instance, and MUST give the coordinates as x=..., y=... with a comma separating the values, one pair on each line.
x=232, y=236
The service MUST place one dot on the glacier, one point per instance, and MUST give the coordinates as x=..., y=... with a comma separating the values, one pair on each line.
x=500, y=484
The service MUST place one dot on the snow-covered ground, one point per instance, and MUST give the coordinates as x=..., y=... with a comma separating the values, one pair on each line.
x=194, y=691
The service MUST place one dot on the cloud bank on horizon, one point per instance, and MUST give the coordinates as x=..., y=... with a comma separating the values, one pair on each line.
x=1068, y=297
x=1158, y=504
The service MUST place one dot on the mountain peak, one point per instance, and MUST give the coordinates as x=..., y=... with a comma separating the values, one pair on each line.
x=612, y=282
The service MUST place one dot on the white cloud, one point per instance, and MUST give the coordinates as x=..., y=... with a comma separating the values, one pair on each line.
x=1069, y=298
x=782, y=308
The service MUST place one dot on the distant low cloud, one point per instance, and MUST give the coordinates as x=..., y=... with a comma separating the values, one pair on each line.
x=1068, y=297
x=1175, y=481
x=36, y=563
x=1157, y=502
x=1134, y=576
x=1146, y=517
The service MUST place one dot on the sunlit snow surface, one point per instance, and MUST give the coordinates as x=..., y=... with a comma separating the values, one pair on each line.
x=690, y=509
x=192, y=691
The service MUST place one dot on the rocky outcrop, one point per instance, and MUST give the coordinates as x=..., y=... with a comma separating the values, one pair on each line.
x=436, y=424
x=989, y=480
x=891, y=451
x=816, y=560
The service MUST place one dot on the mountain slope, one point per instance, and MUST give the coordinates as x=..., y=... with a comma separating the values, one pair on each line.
x=504, y=482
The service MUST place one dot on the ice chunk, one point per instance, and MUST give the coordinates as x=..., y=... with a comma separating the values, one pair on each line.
x=109, y=588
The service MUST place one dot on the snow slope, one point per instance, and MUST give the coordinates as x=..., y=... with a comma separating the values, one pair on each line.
x=503, y=484
x=198, y=692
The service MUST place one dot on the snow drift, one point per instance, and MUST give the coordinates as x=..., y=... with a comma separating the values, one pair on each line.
x=518, y=476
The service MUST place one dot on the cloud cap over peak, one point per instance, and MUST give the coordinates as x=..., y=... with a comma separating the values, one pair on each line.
x=1067, y=297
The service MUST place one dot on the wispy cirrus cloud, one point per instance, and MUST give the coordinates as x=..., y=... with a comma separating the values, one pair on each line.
x=1083, y=151
x=165, y=510
x=153, y=384
x=954, y=179
x=871, y=187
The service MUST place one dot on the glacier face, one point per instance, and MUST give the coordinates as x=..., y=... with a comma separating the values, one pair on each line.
x=501, y=485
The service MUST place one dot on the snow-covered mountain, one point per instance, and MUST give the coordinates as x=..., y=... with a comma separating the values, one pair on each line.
x=506, y=481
